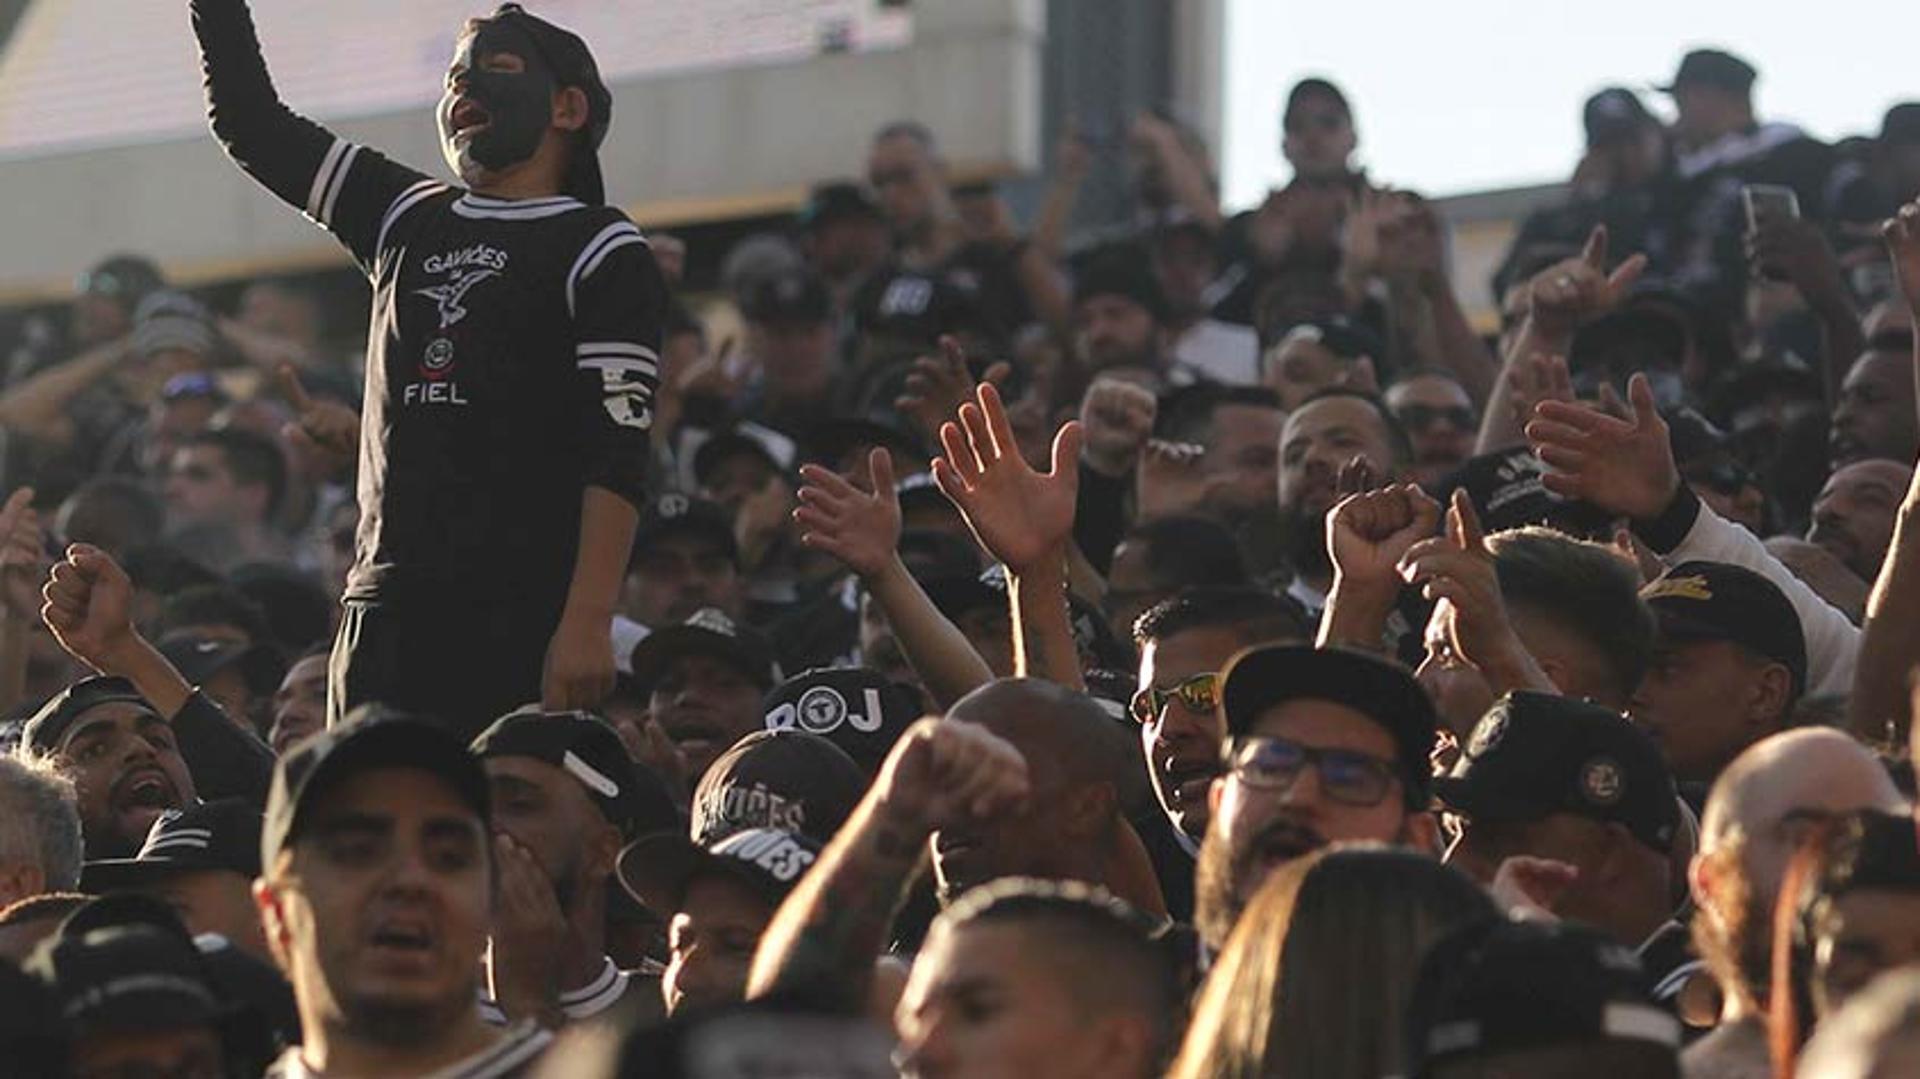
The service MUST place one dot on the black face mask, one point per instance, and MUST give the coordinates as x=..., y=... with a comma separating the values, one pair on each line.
x=519, y=106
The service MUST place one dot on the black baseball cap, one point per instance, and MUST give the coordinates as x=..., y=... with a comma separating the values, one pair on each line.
x=1716, y=601
x=1535, y=754
x=1712, y=67
x=836, y=201
x=1344, y=339
x=1261, y=677
x=657, y=869
x=47, y=726
x=1313, y=87
x=125, y=978
x=708, y=632
x=125, y=277
x=1500, y=987
x=1871, y=850
x=790, y=297
x=223, y=835
x=572, y=64
x=584, y=746
x=1614, y=114
x=372, y=736
x=199, y=658
x=729, y=444
x=856, y=708
x=1126, y=272
x=1901, y=124
x=676, y=514
x=786, y=780
x=829, y=441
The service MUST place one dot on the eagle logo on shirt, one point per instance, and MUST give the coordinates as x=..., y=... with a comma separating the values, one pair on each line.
x=449, y=295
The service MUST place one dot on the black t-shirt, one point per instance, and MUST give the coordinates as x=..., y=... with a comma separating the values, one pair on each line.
x=512, y=355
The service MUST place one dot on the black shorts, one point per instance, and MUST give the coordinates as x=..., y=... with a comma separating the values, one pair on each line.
x=462, y=661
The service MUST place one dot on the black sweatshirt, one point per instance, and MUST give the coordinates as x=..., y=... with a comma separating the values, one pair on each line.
x=512, y=354
x=226, y=761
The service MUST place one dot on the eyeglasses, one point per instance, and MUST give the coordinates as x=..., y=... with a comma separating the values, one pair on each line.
x=1421, y=417
x=1275, y=764
x=1325, y=121
x=1201, y=693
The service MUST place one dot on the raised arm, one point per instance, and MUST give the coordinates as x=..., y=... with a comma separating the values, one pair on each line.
x=822, y=942
x=1025, y=519
x=351, y=191
x=1625, y=467
x=1890, y=639
x=862, y=530
x=1560, y=298
x=88, y=607
x=1367, y=535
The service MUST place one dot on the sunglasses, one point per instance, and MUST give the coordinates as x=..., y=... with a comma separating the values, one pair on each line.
x=1276, y=764
x=1201, y=693
x=1421, y=417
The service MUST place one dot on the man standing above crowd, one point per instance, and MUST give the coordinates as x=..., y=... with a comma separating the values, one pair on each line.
x=513, y=360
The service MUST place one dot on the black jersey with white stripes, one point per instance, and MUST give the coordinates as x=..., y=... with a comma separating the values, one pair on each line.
x=511, y=357
x=513, y=1056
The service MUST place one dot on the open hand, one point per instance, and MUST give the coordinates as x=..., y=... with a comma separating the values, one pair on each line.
x=860, y=528
x=1622, y=466
x=1535, y=378
x=1022, y=517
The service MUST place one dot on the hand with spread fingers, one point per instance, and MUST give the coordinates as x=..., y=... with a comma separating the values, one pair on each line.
x=1574, y=290
x=1902, y=235
x=938, y=386
x=1621, y=465
x=1022, y=516
x=860, y=528
x=1536, y=378
x=1456, y=571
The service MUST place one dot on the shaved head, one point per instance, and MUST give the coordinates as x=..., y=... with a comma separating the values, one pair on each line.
x=1066, y=737
x=1814, y=768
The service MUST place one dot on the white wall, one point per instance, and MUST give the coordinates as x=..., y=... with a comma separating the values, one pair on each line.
x=703, y=144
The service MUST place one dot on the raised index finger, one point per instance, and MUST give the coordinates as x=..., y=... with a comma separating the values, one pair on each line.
x=1473, y=537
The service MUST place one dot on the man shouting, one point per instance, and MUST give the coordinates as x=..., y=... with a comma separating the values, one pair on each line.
x=511, y=365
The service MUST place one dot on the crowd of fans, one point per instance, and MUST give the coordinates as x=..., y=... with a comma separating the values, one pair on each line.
x=1191, y=650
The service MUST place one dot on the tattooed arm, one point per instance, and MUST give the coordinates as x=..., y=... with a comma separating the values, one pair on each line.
x=823, y=941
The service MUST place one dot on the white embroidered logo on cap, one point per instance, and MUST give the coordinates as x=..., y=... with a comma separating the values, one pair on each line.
x=710, y=618
x=1487, y=734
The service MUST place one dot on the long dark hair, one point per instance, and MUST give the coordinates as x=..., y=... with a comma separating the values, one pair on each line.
x=1314, y=980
